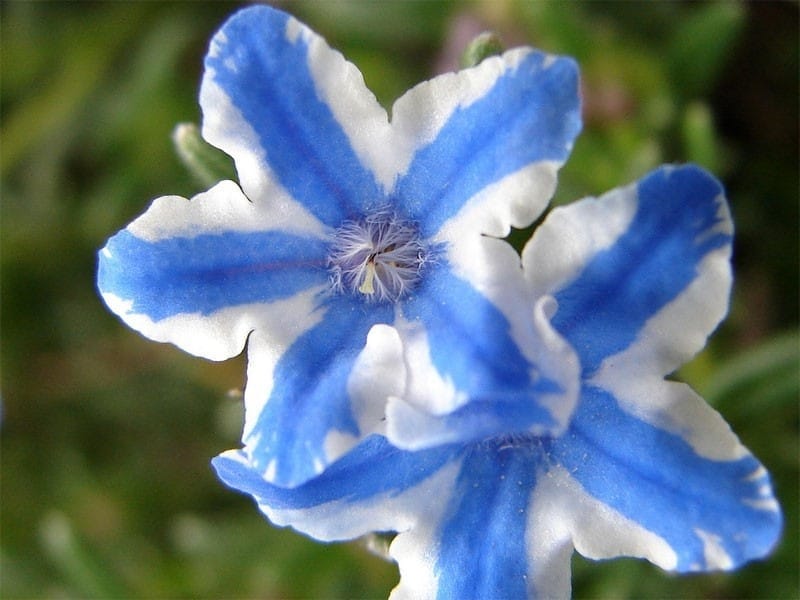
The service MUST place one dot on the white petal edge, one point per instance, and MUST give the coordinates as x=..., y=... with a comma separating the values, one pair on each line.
x=415, y=550
x=668, y=339
x=218, y=336
x=272, y=333
x=563, y=516
x=221, y=208
x=341, y=520
x=425, y=387
x=516, y=200
x=680, y=329
x=713, y=551
x=417, y=116
x=414, y=420
x=272, y=206
x=675, y=408
x=492, y=267
x=420, y=113
x=341, y=86
x=378, y=374
x=571, y=235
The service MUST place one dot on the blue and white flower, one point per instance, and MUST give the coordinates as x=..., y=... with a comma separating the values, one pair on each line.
x=639, y=277
x=359, y=260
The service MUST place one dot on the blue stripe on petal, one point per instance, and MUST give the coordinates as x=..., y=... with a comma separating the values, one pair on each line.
x=409, y=427
x=482, y=552
x=267, y=77
x=371, y=469
x=207, y=273
x=602, y=311
x=471, y=345
x=656, y=479
x=482, y=418
x=531, y=113
x=309, y=399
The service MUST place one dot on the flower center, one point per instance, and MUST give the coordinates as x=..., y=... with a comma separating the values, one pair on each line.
x=379, y=258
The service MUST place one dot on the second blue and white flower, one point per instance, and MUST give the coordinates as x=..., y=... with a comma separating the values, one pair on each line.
x=639, y=277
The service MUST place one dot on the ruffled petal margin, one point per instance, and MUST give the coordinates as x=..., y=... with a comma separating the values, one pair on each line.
x=698, y=512
x=468, y=377
x=487, y=124
x=310, y=402
x=643, y=270
x=375, y=487
x=199, y=274
x=268, y=101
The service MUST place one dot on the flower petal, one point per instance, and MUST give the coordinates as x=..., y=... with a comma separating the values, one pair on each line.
x=563, y=517
x=463, y=513
x=300, y=412
x=482, y=552
x=375, y=487
x=468, y=338
x=489, y=122
x=263, y=103
x=646, y=266
x=490, y=541
x=712, y=514
x=474, y=370
x=198, y=274
x=412, y=428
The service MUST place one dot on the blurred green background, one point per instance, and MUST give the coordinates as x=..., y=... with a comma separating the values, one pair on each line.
x=106, y=437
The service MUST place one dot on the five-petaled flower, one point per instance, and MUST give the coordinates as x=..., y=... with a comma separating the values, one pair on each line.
x=405, y=372
x=638, y=279
x=346, y=221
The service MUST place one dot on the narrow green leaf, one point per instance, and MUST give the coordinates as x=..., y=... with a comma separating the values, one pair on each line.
x=765, y=375
x=77, y=566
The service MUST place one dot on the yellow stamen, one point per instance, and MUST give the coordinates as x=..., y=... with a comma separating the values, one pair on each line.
x=367, y=286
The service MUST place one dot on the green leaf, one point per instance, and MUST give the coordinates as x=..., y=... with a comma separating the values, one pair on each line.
x=758, y=379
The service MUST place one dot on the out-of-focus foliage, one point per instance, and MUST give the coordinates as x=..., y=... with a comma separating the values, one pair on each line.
x=106, y=437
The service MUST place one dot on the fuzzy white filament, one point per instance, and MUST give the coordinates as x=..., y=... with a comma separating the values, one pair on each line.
x=379, y=257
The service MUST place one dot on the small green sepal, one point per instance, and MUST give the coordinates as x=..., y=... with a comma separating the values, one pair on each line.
x=483, y=46
x=207, y=163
